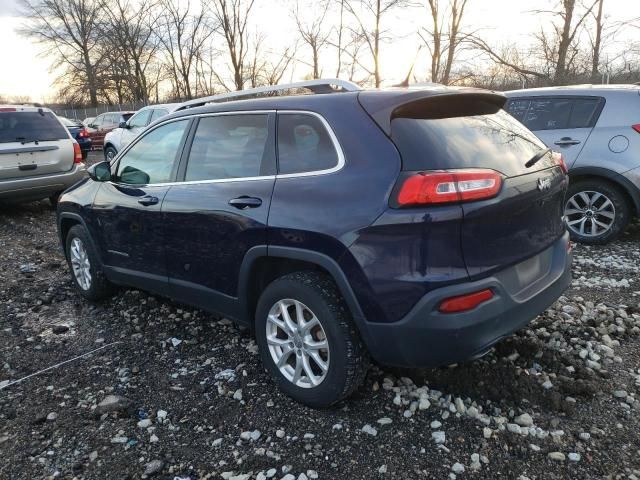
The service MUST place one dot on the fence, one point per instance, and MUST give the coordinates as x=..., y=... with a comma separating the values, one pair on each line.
x=80, y=113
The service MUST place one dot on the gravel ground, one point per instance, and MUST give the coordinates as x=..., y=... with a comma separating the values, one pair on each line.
x=177, y=393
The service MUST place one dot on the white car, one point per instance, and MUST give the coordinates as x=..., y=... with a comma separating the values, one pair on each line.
x=120, y=137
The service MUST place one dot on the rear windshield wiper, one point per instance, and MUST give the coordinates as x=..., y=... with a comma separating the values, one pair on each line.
x=537, y=157
x=23, y=140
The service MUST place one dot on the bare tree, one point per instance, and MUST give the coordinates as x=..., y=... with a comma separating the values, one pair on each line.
x=369, y=16
x=233, y=18
x=183, y=32
x=597, y=42
x=313, y=32
x=443, y=41
x=69, y=30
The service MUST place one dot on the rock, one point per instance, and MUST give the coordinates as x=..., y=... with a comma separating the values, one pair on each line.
x=162, y=416
x=288, y=476
x=52, y=417
x=280, y=433
x=424, y=404
x=59, y=329
x=382, y=469
x=113, y=403
x=574, y=457
x=255, y=435
x=436, y=424
x=457, y=468
x=153, y=439
x=534, y=447
x=242, y=476
x=385, y=421
x=144, y=423
x=271, y=472
x=370, y=430
x=312, y=474
x=303, y=476
x=547, y=385
x=460, y=406
x=584, y=436
x=514, y=428
x=487, y=432
x=237, y=395
x=620, y=394
x=27, y=268
x=439, y=437
x=524, y=420
x=153, y=467
x=557, y=456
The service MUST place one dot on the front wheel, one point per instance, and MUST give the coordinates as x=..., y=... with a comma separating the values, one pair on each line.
x=86, y=269
x=109, y=154
x=307, y=339
x=596, y=211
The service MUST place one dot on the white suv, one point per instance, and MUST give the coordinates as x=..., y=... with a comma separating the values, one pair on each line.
x=119, y=138
x=38, y=157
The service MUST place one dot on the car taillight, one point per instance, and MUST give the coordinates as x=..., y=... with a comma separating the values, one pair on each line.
x=466, y=302
x=7, y=109
x=77, y=153
x=636, y=127
x=559, y=159
x=449, y=186
x=83, y=133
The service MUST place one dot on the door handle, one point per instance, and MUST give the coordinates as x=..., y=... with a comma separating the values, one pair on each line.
x=567, y=141
x=245, y=202
x=148, y=200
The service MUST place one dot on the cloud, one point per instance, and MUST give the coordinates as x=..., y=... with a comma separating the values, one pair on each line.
x=8, y=8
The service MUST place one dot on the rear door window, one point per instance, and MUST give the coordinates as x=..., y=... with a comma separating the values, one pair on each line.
x=304, y=144
x=230, y=146
x=29, y=126
x=548, y=114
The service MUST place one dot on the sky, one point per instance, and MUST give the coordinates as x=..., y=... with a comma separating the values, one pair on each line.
x=26, y=72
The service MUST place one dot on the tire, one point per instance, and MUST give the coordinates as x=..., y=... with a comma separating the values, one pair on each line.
x=98, y=287
x=109, y=153
x=346, y=356
x=590, y=201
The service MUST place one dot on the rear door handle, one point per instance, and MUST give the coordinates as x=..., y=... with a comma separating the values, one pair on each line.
x=148, y=200
x=567, y=141
x=245, y=202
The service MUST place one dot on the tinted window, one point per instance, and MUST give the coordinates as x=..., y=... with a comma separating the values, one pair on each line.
x=548, y=114
x=304, y=145
x=21, y=126
x=125, y=116
x=495, y=141
x=140, y=119
x=585, y=112
x=229, y=146
x=157, y=113
x=152, y=158
x=518, y=108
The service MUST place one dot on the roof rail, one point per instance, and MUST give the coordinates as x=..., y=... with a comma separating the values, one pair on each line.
x=316, y=86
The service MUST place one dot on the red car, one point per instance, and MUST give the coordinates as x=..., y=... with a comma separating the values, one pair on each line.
x=104, y=123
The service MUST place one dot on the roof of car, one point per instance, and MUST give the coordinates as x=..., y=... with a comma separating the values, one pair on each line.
x=587, y=89
x=169, y=106
x=23, y=108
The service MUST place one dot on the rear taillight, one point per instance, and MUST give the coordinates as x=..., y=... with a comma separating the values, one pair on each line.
x=636, y=127
x=449, y=186
x=83, y=133
x=466, y=302
x=77, y=153
x=559, y=159
x=7, y=109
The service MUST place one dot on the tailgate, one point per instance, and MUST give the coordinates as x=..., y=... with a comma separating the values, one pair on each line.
x=33, y=143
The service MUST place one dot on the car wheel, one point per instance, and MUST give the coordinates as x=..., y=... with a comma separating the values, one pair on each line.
x=85, y=267
x=596, y=211
x=109, y=153
x=307, y=339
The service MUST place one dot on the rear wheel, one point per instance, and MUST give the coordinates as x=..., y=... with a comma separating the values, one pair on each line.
x=85, y=267
x=596, y=211
x=307, y=340
x=109, y=153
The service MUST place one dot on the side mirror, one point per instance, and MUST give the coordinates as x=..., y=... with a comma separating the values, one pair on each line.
x=123, y=125
x=100, y=172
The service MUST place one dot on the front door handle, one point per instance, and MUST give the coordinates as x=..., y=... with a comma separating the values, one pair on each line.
x=148, y=200
x=245, y=202
x=567, y=141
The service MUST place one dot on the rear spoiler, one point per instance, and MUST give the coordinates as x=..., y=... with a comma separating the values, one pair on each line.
x=429, y=104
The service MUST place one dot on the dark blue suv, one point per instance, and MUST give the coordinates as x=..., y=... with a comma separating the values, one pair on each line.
x=414, y=227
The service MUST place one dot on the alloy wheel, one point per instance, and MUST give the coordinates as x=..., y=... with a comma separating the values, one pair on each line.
x=297, y=343
x=590, y=213
x=80, y=263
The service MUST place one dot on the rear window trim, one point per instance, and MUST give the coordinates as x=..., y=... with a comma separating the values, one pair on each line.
x=601, y=104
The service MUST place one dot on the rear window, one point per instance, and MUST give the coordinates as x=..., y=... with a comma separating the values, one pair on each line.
x=68, y=122
x=29, y=126
x=496, y=141
x=555, y=113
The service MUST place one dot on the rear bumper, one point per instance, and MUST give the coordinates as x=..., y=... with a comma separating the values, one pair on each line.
x=85, y=144
x=428, y=338
x=40, y=186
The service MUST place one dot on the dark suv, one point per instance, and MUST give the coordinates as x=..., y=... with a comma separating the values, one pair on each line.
x=417, y=227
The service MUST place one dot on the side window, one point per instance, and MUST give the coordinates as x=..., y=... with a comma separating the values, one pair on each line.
x=140, y=119
x=229, y=146
x=157, y=113
x=518, y=107
x=304, y=145
x=152, y=158
x=548, y=113
x=110, y=119
x=97, y=122
x=585, y=112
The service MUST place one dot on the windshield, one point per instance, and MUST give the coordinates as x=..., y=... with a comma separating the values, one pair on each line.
x=30, y=126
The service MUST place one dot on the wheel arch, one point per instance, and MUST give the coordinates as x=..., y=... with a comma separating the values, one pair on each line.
x=66, y=221
x=263, y=264
x=630, y=191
